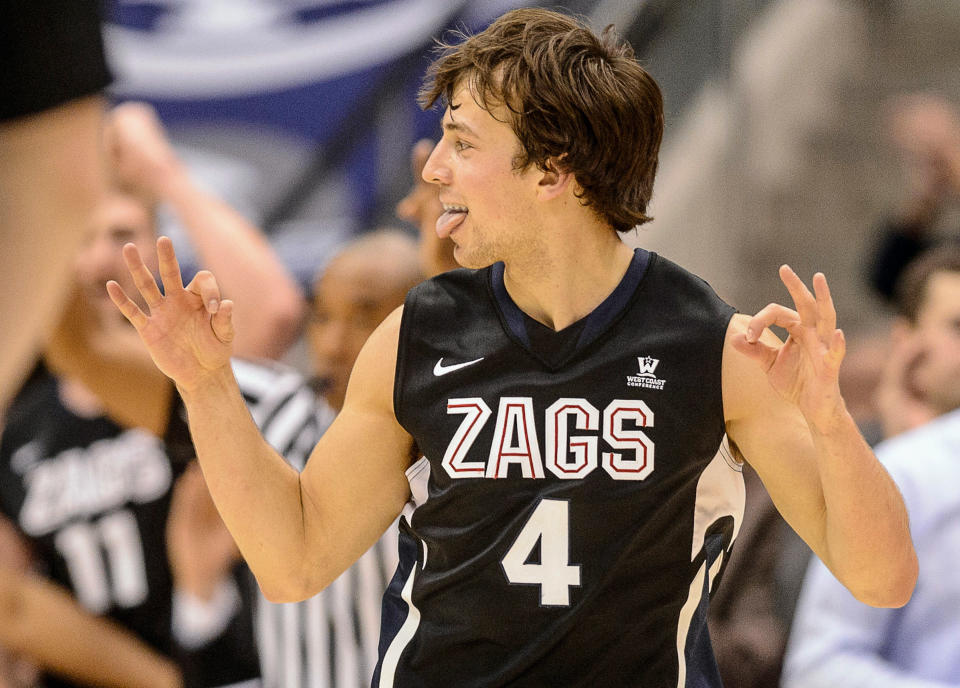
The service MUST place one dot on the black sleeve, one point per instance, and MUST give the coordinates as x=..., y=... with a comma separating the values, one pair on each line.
x=51, y=52
x=899, y=244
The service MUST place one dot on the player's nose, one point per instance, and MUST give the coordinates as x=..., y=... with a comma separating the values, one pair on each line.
x=435, y=171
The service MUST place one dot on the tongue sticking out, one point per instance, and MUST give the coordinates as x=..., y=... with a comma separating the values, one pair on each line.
x=449, y=221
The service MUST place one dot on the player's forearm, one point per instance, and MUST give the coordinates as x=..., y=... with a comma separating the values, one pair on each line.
x=45, y=625
x=256, y=492
x=269, y=306
x=867, y=541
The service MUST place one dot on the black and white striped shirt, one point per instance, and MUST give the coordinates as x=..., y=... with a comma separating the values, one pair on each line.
x=330, y=640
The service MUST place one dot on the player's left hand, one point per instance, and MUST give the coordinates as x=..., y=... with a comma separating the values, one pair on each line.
x=804, y=370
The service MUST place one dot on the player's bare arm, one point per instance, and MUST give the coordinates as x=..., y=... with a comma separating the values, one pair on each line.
x=784, y=412
x=354, y=485
x=285, y=523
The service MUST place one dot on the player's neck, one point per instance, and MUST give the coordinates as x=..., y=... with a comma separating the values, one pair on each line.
x=571, y=277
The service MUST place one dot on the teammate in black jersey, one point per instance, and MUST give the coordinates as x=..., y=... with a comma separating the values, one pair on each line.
x=90, y=496
x=580, y=408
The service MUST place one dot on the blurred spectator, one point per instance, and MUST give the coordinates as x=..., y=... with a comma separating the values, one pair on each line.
x=331, y=639
x=90, y=496
x=926, y=129
x=921, y=376
x=839, y=641
x=52, y=70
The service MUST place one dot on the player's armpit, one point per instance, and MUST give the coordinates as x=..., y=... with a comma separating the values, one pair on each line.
x=354, y=484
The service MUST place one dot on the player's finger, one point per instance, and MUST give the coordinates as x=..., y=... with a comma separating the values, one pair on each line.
x=142, y=277
x=772, y=314
x=204, y=285
x=222, y=322
x=803, y=300
x=762, y=353
x=169, y=267
x=826, y=312
x=125, y=304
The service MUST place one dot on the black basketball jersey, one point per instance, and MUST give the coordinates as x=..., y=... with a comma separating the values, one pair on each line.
x=92, y=499
x=576, y=497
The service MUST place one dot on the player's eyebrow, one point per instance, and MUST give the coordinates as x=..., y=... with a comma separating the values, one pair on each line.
x=453, y=126
x=459, y=127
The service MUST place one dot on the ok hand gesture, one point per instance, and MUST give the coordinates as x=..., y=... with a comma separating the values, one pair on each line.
x=804, y=370
x=189, y=330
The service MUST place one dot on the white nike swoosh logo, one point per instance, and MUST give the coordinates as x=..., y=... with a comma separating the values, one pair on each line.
x=441, y=369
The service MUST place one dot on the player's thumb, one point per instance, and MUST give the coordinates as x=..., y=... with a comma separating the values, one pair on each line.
x=204, y=285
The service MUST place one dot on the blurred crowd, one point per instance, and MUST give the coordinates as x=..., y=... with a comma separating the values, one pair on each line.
x=115, y=569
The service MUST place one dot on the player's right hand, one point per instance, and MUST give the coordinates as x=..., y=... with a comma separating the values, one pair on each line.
x=189, y=331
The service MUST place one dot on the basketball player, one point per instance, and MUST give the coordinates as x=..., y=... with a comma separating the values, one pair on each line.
x=89, y=496
x=561, y=425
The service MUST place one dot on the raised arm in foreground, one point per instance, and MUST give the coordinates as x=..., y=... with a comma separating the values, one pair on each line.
x=269, y=305
x=785, y=413
x=296, y=531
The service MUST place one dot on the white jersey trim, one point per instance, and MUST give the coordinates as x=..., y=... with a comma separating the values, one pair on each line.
x=720, y=492
x=391, y=659
x=418, y=475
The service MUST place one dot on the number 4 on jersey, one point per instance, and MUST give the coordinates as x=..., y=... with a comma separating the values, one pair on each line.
x=550, y=525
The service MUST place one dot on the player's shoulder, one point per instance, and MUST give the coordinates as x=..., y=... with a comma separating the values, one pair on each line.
x=673, y=280
x=449, y=287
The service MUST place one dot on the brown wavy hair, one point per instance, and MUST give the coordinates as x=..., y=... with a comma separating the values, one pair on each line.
x=578, y=101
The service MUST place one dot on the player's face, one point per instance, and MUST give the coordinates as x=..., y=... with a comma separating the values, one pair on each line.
x=489, y=206
x=117, y=220
x=937, y=375
x=350, y=300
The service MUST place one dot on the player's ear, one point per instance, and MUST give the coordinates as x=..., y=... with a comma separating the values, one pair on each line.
x=555, y=179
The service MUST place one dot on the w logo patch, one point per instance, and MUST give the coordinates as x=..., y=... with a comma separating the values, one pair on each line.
x=646, y=375
x=648, y=365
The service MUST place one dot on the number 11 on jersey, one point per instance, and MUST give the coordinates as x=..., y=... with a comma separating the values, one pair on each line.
x=549, y=524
